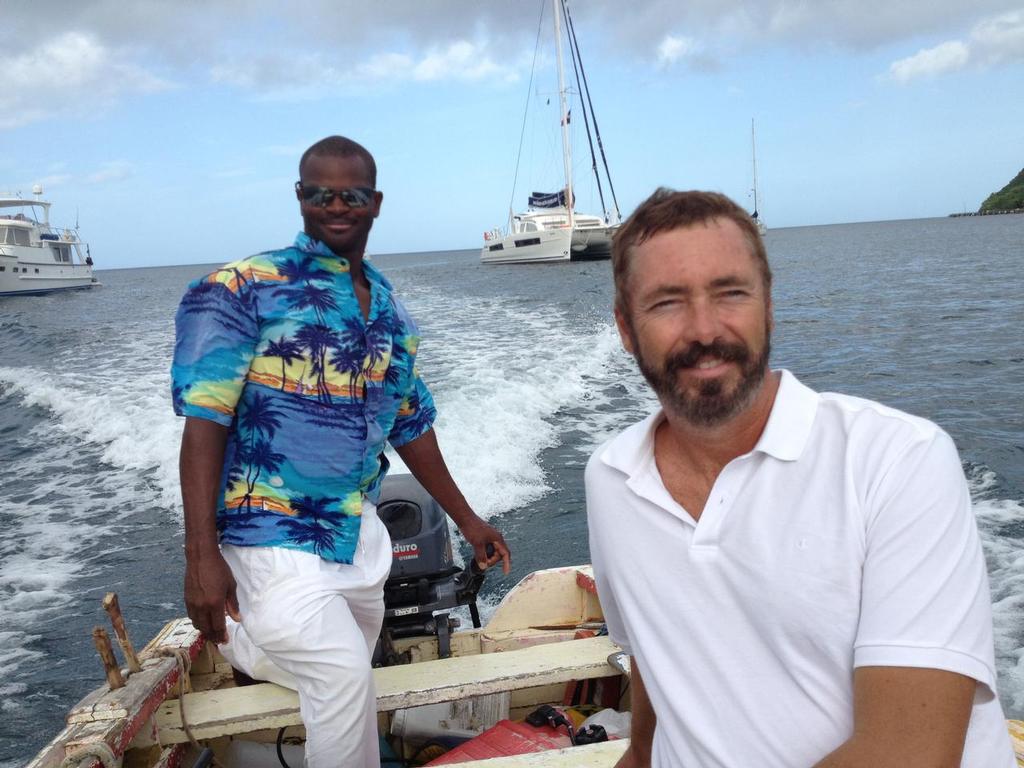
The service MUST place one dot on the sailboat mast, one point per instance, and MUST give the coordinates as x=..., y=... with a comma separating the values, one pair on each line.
x=566, y=148
x=753, y=157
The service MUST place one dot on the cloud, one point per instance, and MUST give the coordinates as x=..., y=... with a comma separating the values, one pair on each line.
x=284, y=77
x=386, y=66
x=993, y=41
x=673, y=48
x=999, y=40
x=676, y=50
x=109, y=49
x=461, y=60
x=116, y=170
x=458, y=61
x=53, y=180
x=727, y=27
x=191, y=29
x=72, y=73
x=940, y=60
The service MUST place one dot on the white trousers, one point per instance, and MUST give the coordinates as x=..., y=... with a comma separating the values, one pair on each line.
x=311, y=625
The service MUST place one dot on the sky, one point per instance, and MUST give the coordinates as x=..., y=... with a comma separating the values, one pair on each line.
x=172, y=129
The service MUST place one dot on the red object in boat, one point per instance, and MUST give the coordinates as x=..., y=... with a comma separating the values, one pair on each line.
x=506, y=738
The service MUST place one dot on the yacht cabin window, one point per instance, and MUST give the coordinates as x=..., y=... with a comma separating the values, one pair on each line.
x=14, y=236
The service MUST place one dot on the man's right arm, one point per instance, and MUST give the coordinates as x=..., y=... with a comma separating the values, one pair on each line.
x=641, y=729
x=209, y=585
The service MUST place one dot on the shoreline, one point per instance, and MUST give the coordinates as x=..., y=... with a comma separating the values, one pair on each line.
x=986, y=213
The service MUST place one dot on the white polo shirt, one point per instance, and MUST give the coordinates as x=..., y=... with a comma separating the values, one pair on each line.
x=844, y=539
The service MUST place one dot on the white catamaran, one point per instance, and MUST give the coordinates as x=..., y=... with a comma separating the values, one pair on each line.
x=551, y=229
x=36, y=257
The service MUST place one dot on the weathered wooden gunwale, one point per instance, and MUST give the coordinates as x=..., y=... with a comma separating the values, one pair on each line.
x=116, y=718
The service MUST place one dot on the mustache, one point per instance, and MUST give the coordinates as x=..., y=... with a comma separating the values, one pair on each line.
x=687, y=358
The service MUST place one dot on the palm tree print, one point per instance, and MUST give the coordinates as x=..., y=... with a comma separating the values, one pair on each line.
x=178, y=396
x=309, y=296
x=348, y=358
x=421, y=419
x=318, y=339
x=259, y=420
x=262, y=457
x=237, y=472
x=209, y=298
x=397, y=367
x=301, y=270
x=288, y=350
x=311, y=524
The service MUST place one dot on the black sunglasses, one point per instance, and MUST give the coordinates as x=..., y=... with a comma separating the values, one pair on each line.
x=321, y=197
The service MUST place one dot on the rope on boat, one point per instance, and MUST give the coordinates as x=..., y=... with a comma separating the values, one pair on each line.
x=89, y=754
x=184, y=668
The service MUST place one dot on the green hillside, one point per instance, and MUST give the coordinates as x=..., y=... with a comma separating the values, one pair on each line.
x=1009, y=198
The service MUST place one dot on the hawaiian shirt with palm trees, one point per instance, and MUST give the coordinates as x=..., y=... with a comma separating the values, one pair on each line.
x=276, y=348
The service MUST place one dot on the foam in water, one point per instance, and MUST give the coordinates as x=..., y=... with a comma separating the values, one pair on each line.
x=121, y=404
x=66, y=504
x=1005, y=557
x=499, y=386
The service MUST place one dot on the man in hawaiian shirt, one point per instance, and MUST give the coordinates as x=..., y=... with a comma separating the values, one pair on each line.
x=292, y=368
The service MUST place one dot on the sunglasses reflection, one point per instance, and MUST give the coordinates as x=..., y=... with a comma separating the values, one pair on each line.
x=321, y=197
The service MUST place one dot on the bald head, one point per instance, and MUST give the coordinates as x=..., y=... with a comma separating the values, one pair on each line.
x=339, y=146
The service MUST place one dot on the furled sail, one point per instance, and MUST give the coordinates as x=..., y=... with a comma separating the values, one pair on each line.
x=548, y=199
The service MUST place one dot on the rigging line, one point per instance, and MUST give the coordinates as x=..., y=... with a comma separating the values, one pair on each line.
x=526, y=111
x=574, y=52
x=597, y=131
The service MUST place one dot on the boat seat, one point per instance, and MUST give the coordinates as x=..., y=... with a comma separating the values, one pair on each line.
x=230, y=711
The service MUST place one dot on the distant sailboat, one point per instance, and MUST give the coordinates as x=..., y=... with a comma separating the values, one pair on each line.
x=761, y=226
x=551, y=229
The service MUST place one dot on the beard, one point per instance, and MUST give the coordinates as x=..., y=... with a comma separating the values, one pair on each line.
x=714, y=402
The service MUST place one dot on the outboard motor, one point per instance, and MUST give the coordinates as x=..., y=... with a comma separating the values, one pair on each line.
x=425, y=584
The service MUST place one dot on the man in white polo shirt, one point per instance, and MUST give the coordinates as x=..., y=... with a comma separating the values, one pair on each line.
x=797, y=576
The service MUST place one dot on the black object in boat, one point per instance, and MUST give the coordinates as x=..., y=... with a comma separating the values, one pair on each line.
x=591, y=734
x=425, y=584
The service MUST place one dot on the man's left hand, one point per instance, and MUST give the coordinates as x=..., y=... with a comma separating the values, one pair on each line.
x=479, y=534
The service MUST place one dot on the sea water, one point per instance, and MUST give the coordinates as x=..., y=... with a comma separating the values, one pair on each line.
x=529, y=377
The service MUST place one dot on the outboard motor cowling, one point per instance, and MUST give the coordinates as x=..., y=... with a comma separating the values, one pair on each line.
x=424, y=584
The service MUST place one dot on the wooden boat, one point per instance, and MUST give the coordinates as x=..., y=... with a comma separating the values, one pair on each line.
x=543, y=636
x=542, y=646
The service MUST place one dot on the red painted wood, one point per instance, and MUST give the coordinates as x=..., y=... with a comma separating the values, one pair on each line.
x=586, y=582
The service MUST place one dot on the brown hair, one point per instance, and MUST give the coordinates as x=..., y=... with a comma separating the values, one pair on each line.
x=339, y=146
x=669, y=209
